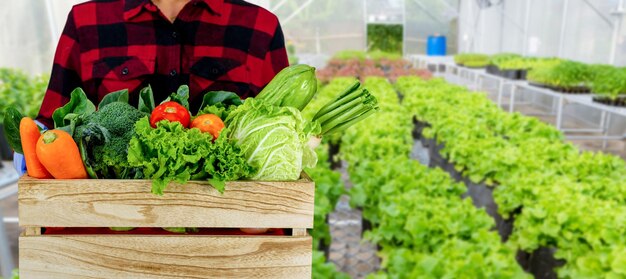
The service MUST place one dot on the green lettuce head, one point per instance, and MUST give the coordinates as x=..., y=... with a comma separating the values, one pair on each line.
x=274, y=139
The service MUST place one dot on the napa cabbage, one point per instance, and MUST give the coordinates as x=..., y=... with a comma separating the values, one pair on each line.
x=274, y=139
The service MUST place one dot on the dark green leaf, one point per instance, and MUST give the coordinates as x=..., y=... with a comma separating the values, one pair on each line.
x=12, y=119
x=146, y=100
x=117, y=96
x=79, y=104
x=91, y=135
x=220, y=97
x=181, y=96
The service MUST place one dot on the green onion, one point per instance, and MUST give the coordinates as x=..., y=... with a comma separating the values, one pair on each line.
x=341, y=127
x=349, y=94
x=350, y=107
x=341, y=108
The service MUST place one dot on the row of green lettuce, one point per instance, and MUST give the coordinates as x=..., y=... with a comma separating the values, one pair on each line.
x=328, y=189
x=420, y=222
x=21, y=90
x=605, y=80
x=560, y=197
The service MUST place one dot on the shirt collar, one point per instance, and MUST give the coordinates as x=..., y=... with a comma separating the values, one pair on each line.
x=133, y=7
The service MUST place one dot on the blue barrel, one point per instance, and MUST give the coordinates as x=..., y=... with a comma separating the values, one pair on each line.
x=436, y=45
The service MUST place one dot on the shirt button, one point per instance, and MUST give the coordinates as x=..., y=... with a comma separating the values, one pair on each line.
x=173, y=73
x=125, y=71
x=174, y=34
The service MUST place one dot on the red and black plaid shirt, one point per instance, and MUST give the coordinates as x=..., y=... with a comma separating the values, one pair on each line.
x=212, y=45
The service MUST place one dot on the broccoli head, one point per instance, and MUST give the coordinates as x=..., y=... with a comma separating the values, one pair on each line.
x=117, y=117
x=104, y=137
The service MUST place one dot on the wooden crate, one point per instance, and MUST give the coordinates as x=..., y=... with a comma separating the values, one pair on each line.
x=129, y=203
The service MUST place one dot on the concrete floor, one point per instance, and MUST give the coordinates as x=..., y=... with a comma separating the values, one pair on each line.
x=8, y=207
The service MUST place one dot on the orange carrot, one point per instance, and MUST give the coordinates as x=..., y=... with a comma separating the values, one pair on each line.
x=58, y=152
x=29, y=134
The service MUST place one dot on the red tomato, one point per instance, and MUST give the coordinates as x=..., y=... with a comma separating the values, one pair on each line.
x=208, y=123
x=172, y=112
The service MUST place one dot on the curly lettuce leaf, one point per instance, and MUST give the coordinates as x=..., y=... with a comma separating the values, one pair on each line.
x=171, y=153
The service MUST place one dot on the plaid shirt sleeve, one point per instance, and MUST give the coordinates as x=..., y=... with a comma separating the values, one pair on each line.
x=276, y=58
x=65, y=73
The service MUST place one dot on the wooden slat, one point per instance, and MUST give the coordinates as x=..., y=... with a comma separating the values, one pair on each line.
x=124, y=256
x=32, y=231
x=129, y=203
x=298, y=232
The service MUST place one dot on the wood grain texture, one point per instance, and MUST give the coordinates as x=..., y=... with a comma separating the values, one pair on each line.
x=129, y=203
x=127, y=256
x=32, y=231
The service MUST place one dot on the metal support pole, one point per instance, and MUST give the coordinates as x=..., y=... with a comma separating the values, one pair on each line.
x=617, y=29
x=526, y=27
x=404, y=35
x=280, y=4
x=559, y=113
x=365, y=24
x=554, y=106
x=602, y=120
x=606, y=131
x=482, y=32
x=296, y=12
x=563, y=27
x=512, y=101
x=502, y=9
x=6, y=258
x=500, y=92
x=599, y=13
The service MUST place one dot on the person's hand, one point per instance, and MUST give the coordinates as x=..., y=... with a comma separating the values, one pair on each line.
x=18, y=159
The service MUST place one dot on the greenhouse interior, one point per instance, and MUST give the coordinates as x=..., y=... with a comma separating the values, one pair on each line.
x=379, y=139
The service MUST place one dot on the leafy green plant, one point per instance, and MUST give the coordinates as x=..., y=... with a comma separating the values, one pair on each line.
x=350, y=54
x=502, y=57
x=472, y=59
x=570, y=200
x=510, y=61
x=378, y=55
x=385, y=37
x=567, y=74
x=328, y=184
x=22, y=91
x=328, y=190
x=609, y=83
x=291, y=54
x=325, y=270
x=418, y=217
